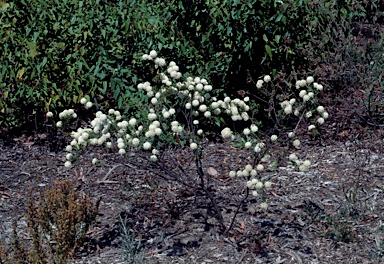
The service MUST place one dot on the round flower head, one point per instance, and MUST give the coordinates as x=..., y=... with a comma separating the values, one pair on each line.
x=88, y=105
x=254, y=128
x=259, y=185
x=68, y=164
x=264, y=206
x=292, y=157
x=135, y=142
x=310, y=79
x=166, y=114
x=306, y=98
x=248, y=167
x=267, y=78
x=94, y=161
x=226, y=133
x=246, y=131
x=193, y=146
x=259, y=83
x=49, y=114
x=154, y=100
x=68, y=148
x=273, y=138
x=311, y=127
x=288, y=109
x=320, y=120
x=302, y=167
x=203, y=108
x=248, y=145
x=320, y=109
x=232, y=174
x=208, y=88
x=268, y=184
x=146, y=145
x=296, y=143
x=249, y=184
x=83, y=101
x=302, y=93
x=195, y=102
x=153, y=54
x=207, y=114
x=122, y=151
x=69, y=156
x=259, y=167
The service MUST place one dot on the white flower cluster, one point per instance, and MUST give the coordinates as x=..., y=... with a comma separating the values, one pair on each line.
x=260, y=83
x=86, y=103
x=65, y=115
x=306, y=95
x=198, y=102
x=303, y=165
x=247, y=171
x=253, y=183
x=129, y=132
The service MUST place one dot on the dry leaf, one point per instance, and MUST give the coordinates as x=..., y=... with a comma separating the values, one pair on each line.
x=211, y=171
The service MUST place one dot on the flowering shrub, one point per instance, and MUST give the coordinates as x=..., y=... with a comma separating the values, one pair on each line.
x=177, y=108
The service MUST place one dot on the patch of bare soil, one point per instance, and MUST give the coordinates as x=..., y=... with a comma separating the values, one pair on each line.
x=332, y=213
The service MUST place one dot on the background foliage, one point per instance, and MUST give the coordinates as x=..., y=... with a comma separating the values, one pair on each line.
x=55, y=52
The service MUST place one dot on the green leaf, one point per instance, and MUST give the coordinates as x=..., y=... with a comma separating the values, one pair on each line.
x=32, y=46
x=277, y=38
x=268, y=50
x=278, y=18
x=101, y=75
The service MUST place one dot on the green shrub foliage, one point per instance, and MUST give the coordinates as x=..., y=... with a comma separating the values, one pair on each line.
x=55, y=52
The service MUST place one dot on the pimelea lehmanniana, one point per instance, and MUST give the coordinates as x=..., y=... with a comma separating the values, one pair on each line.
x=195, y=99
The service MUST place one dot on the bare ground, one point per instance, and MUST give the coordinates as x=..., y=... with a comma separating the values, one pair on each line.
x=330, y=214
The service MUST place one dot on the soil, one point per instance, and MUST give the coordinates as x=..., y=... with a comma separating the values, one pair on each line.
x=332, y=213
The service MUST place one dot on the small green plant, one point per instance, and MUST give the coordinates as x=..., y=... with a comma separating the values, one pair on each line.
x=56, y=224
x=132, y=247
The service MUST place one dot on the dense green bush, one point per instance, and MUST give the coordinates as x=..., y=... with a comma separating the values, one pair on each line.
x=54, y=52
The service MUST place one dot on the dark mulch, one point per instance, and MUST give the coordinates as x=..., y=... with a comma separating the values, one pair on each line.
x=330, y=214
